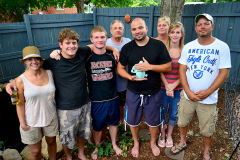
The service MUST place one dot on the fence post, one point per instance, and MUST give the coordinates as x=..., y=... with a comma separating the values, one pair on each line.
x=94, y=16
x=151, y=19
x=29, y=30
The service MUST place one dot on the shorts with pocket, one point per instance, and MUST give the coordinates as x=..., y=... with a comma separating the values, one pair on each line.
x=35, y=134
x=207, y=115
x=72, y=123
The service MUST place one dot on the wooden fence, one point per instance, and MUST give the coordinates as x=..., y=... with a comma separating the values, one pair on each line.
x=38, y=30
x=42, y=30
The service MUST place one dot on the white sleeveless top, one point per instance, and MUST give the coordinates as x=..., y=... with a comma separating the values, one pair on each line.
x=40, y=106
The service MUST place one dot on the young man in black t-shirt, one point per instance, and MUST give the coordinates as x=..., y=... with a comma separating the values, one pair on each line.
x=101, y=75
x=72, y=100
x=143, y=93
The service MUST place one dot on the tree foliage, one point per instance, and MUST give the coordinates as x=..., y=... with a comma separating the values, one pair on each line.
x=10, y=11
x=211, y=1
x=112, y=3
x=13, y=10
x=144, y=3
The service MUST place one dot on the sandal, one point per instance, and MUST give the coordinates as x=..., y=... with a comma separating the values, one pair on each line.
x=205, y=158
x=177, y=147
x=161, y=143
x=169, y=143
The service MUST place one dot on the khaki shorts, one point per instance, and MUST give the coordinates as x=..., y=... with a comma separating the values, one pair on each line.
x=207, y=115
x=35, y=134
x=72, y=123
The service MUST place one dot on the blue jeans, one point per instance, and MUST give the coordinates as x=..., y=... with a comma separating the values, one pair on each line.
x=173, y=107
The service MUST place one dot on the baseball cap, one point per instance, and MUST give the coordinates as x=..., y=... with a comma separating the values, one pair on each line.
x=205, y=15
x=30, y=51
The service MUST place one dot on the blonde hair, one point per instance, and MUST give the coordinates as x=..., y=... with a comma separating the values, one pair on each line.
x=98, y=29
x=165, y=18
x=173, y=26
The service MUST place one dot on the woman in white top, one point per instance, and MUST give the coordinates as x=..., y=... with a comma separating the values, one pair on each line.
x=36, y=110
x=162, y=28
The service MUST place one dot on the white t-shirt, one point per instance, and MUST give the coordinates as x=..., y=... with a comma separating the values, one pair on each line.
x=203, y=64
x=121, y=82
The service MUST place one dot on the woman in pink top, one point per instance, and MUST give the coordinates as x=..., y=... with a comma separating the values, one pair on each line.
x=171, y=86
x=162, y=28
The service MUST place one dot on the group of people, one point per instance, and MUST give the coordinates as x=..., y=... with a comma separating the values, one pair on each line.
x=180, y=80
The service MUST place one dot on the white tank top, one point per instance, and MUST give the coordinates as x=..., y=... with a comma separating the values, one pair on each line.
x=40, y=106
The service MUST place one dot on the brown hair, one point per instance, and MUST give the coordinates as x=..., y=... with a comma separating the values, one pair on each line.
x=173, y=26
x=68, y=34
x=98, y=29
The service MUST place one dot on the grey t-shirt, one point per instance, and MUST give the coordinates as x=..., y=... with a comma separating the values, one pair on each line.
x=121, y=82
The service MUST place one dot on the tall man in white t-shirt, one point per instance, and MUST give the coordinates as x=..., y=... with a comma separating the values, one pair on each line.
x=118, y=41
x=204, y=66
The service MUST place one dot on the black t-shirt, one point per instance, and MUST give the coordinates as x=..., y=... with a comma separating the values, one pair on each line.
x=70, y=79
x=155, y=52
x=101, y=75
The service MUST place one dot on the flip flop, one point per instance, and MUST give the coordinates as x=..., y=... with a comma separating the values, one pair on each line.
x=169, y=143
x=161, y=143
x=177, y=147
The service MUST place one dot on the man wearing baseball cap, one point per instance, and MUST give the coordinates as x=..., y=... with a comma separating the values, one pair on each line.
x=204, y=66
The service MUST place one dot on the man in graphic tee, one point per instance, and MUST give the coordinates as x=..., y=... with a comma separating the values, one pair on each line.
x=101, y=76
x=204, y=66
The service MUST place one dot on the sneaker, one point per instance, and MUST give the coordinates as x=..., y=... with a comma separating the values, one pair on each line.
x=161, y=142
x=169, y=143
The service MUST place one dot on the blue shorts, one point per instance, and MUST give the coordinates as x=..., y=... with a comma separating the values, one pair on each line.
x=151, y=104
x=105, y=113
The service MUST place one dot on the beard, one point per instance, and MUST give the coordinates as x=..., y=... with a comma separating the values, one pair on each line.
x=140, y=38
x=202, y=35
x=205, y=34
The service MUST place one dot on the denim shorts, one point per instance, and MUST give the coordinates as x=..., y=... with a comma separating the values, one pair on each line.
x=136, y=103
x=105, y=113
x=170, y=105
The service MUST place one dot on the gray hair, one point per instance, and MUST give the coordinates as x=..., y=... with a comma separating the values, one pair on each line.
x=115, y=22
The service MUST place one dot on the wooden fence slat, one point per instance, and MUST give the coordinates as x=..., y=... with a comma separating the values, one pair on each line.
x=94, y=16
x=151, y=19
x=28, y=27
